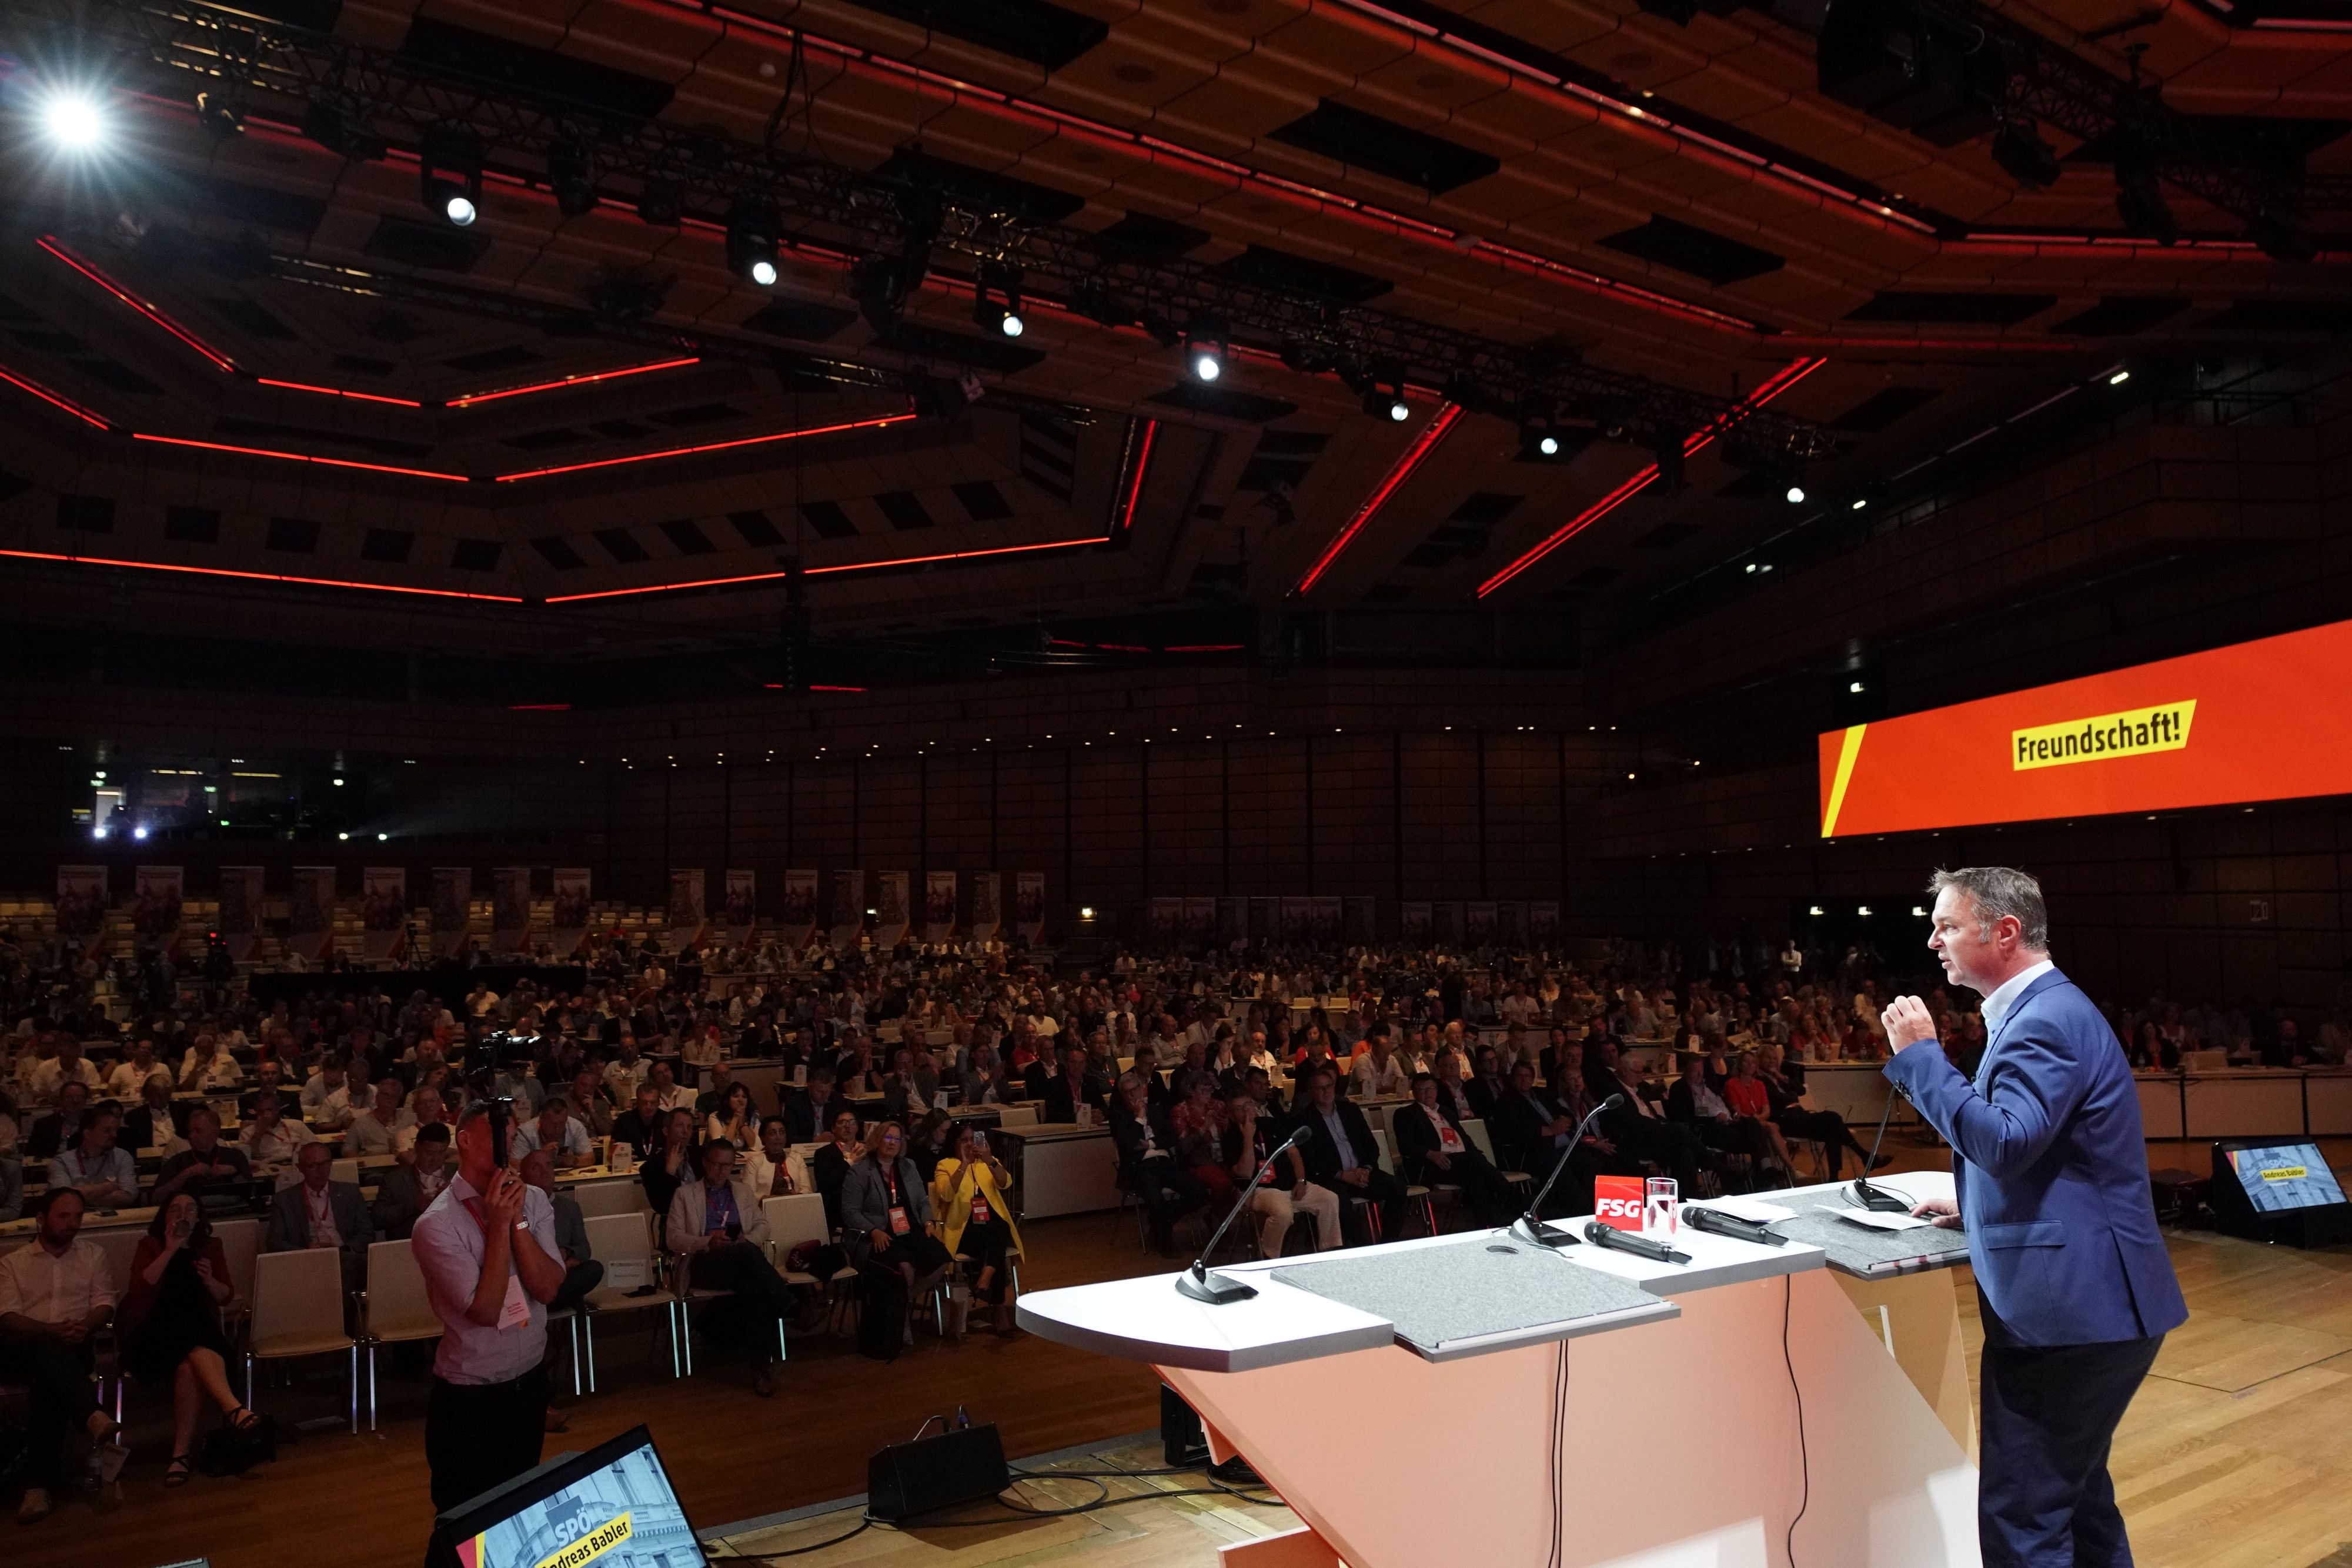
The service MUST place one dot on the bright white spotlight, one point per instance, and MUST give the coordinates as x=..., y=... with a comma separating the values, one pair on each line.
x=1207, y=367
x=1796, y=495
x=1859, y=503
x=1012, y=324
x=74, y=118
x=1400, y=410
x=1549, y=446
x=138, y=833
x=459, y=208
x=98, y=832
x=2119, y=377
x=764, y=273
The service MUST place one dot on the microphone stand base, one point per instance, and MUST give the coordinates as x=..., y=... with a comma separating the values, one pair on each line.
x=1881, y=1202
x=1535, y=1233
x=1215, y=1289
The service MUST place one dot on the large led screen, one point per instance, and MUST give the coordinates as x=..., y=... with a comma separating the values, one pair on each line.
x=2267, y=720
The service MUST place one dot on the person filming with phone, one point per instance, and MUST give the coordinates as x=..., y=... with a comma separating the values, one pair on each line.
x=486, y=1247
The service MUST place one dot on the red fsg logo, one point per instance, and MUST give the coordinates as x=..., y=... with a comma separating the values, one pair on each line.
x=1617, y=1201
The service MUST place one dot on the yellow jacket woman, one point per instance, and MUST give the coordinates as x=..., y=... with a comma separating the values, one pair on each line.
x=975, y=1214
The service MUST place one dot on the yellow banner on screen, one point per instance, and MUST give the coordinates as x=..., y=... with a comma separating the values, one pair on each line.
x=590, y=1546
x=2103, y=736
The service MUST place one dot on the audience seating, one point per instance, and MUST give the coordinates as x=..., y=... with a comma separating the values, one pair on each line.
x=297, y=1311
x=395, y=1309
x=624, y=1238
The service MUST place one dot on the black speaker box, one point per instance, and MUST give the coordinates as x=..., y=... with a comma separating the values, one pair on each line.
x=964, y=1465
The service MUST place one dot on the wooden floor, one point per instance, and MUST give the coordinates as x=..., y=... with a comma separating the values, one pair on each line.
x=2237, y=1453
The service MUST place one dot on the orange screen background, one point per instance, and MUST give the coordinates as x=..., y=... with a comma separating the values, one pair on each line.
x=2274, y=721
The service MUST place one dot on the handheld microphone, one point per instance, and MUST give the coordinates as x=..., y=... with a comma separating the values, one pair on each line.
x=1222, y=1289
x=1608, y=1236
x=1866, y=1195
x=1700, y=1217
x=1533, y=1231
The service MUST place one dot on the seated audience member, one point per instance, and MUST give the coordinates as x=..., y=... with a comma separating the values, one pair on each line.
x=711, y=1090
x=1246, y=1141
x=318, y=1211
x=61, y=1128
x=1752, y=1102
x=886, y=1220
x=1340, y=1153
x=582, y=1272
x=1451, y=1092
x=590, y=1108
x=732, y=1121
x=148, y=1124
x=170, y=1324
x=983, y=1078
x=808, y=1115
x=842, y=1152
x=910, y=1090
x=210, y=1064
x=555, y=1130
x=56, y=1292
x=1487, y=1087
x=673, y=1159
x=1077, y=1084
x=716, y=1225
x=932, y=1140
x=1199, y=1118
x=969, y=1193
x=1433, y=1150
x=1377, y=1074
x=384, y=1125
x=69, y=1066
x=640, y=1126
x=127, y=1077
x=11, y=1187
x=408, y=1190
x=1193, y=1068
x=1532, y=1129
x=206, y=1167
x=269, y=1140
x=1641, y=1131
x=1259, y=1081
x=1784, y=1086
x=1148, y=1163
x=1147, y=1067
x=775, y=1170
x=1693, y=1102
x=321, y=1087
x=669, y=1094
x=106, y=1177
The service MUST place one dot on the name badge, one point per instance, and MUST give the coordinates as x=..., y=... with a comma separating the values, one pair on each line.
x=1448, y=1140
x=898, y=1226
x=515, y=1311
x=980, y=1211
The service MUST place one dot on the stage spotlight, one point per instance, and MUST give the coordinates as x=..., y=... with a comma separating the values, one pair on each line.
x=2023, y=156
x=139, y=833
x=2139, y=202
x=660, y=204
x=996, y=300
x=571, y=179
x=1796, y=495
x=1666, y=451
x=751, y=240
x=1205, y=347
x=74, y=118
x=449, y=175
x=2282, y=239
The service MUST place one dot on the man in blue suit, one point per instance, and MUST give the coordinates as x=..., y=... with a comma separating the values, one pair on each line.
x=2051, y=1172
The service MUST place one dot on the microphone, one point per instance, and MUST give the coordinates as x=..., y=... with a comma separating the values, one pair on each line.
x=1878, y=1199
x=1533, y=1231
x=1608, y=1236
x=1222, y=1289
x=1699, y=1217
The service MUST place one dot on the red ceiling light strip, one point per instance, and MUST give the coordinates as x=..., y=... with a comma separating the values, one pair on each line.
x=51, y=244
x=1773, y=386
x=55, y=400
x=336, y=391
x=471, y=399
x=825, y=570
x=1140, y=462
x=258, y=576
x=298, y=457
x=875, y=423
x=539, y=707
x=1415, y=456
x=818, y=688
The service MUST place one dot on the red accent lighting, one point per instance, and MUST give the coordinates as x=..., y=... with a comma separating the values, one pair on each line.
x=257, y=576
x=337, y=392
x=826, y=570
x=1135, y=480
x=471, y=399
x=1415, y=456
x=539, y=707
x=154, y=313
x=297, y=457
x=1779, y=381
x=710, y=446
x=55, y=400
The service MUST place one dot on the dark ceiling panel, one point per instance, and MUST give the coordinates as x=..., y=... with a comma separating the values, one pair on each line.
x=1272, y=268
x=920, y=341
x=1952, y=310
x=1226, y=403
x=1032, y=30
x=2304, y=316
x=1019, y=198
x=1883, y=408
x=1152, y=238
x=542, y=73
x=1379, y=146
x=2121, y=315
x=803, y=318
x=1717, y=258
x=414, y=243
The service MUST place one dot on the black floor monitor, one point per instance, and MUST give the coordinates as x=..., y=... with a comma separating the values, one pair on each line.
x=2278, y=1189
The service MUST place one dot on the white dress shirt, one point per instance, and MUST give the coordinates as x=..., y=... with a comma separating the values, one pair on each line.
x=55, y=1289
x=449, y=1247
x=2004, y=996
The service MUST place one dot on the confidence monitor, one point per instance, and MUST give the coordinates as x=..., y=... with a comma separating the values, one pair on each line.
x=611, y=1507
x=2275, y=1189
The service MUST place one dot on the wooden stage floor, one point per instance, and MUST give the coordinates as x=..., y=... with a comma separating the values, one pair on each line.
x=2238, y=1452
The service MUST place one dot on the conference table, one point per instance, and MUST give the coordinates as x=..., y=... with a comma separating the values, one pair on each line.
x=1611, y=1409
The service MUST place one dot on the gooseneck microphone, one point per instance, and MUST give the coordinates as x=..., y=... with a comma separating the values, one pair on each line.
x=1866, y=1195
x=1533, y=1231
x=1221, y=1289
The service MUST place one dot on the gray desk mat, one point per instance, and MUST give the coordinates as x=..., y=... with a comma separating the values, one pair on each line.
x=1855, y=1248
x=1440, y=1295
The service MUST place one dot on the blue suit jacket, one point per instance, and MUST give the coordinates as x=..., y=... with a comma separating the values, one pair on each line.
x=2051, y=1166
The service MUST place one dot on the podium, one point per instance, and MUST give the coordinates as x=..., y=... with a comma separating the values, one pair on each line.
x=1426, y=1401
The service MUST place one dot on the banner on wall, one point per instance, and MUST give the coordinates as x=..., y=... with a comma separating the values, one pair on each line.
x=453, y=910
x=939, y=906
x=81, y=905
x=156, y=905
x=1478, y=922
x=573, y=909
x=1543, y=921
x=742, y=914
x=310, y=914
x=892, y=918
x=1200, y=920
x=240, y=911
x=847, y=921
x=1264, y=918
x=1295, y=916
x=1356, y=920
x=687, y=922
x=1413, y=920
x=987, y=905
x=1445, y=920
x=510, y=909
x=1233, y=920
x=800, y=909
x=383, y=913
x=1511, y=922
x=1167, y=917
x=1323, y=918
x=1029, y=905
